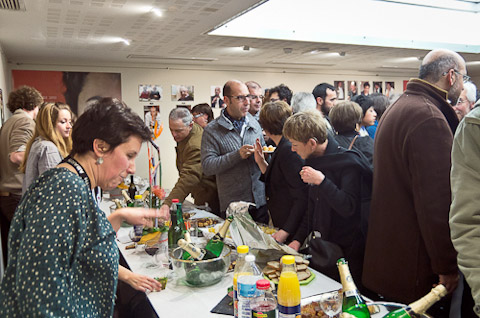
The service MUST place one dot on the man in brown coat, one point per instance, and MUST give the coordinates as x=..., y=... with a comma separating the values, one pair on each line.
x=188, y=136
x=408, y=244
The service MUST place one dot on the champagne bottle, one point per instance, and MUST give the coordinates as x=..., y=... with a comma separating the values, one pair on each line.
x=192, y=252
x=175, y=232
x=353, y=302
x=215, y=245
x=118, y=204
x=420, y=306
x=128, y=200
x=132, y=189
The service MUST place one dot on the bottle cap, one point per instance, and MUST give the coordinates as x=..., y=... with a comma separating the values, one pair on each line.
x=263, y=284
x=175, y=201
x=242, y=249
x=250, y=258
x=288, y=259
x=341, y=261
x=138, y=197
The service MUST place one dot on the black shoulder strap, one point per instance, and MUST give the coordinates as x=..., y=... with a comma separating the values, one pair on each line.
x=81, y=172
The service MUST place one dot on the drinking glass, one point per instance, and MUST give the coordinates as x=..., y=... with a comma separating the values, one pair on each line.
x=151, y=248
x=331, y=303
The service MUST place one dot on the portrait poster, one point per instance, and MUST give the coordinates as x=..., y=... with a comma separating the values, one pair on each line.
x=340, y=88
x=365, y=86
x=77, y=89
x=2, y=109
x=389, y=88
x=182, y=93
x=216, y=97
x=377, y=87
x=149, y=92
x=352, y=89
x=151, y=113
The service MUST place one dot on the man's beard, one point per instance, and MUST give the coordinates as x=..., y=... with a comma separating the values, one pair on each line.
x=454, y=93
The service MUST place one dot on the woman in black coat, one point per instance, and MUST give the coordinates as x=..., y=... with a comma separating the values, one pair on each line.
x=338, y=181
x=286, y=193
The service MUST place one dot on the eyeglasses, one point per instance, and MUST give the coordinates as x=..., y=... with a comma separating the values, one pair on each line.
x=466, y=78
x=255, y=96
x=461, y=101
x=198, y=115
x=241, y=98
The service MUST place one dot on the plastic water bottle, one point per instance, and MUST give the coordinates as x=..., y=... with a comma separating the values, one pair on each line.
x=247, y=286
x=242, y=251
x=264, y=305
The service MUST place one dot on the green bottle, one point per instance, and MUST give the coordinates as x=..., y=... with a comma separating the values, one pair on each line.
x=353, y=302
x=128, y=201
x=215, y=245
x=194, y=253
x=176, y=231
x=419, y=307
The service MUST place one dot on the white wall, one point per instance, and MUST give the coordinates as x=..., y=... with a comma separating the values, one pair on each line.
x=3, y=82
x=202, y=79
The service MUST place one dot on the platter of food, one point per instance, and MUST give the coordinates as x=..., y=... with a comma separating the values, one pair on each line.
x=207, y=222
x=273, y=269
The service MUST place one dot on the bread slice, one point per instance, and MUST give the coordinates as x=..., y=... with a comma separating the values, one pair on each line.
x=301, y=267
x=298, y=259
x=274, y=264
x=304, y=275
x=268, y=270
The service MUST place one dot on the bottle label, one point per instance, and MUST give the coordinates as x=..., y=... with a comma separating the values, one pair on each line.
x=349, y=293
x=244, y=310
x=264, y=313
x=289, y=311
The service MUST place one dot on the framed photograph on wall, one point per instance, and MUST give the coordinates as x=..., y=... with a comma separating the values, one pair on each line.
x=151, y=113
x=2, y=110
x=148, y=92
x=216, y=97
x=340, y=88
x=377, y=87
x=182, y=93
x=389, y=89
x=365, y=88
x=189, y=107
x=352, y=89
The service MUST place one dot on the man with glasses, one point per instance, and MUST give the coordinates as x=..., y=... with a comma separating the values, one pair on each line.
x=467, y=99
x=408, y=244
x=227, y=152
x=256, y=98
x=191, y=180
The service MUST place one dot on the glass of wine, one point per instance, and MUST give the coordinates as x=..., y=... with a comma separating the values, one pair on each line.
x=331, y=303
x=152, y=247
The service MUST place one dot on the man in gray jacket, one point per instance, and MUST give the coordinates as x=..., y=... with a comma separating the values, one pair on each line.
x=227, y=152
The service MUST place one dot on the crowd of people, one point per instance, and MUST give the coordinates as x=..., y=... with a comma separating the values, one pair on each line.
x=377, y=183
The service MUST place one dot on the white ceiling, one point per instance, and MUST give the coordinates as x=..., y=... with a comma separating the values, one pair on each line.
x=87, y=32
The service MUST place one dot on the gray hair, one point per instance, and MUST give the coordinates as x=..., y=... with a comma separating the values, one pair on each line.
x=471, y=91
x=434, y=70
x=181, y=113
x=303, y=101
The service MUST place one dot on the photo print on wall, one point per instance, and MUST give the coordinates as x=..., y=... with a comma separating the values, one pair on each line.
x=352, y=89
x=340, y=88
x=389, y=89
x=149, y=92
x=182, y=93
x=216, y=97
x=365, y=88
x=189, y=107
x=377, y=87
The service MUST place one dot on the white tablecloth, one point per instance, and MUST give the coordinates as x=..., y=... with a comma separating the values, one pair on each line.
x=182, y=301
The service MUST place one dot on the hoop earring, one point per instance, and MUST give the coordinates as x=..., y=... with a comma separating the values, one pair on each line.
x=99, y=161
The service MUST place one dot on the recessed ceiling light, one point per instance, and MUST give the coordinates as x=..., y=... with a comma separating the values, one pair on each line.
x=157, y=12
x=125, y=41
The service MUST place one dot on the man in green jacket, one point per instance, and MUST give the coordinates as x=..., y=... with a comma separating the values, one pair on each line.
x=188, y=136
x=465, y=208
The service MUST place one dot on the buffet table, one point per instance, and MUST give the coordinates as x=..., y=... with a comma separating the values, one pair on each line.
x=178, y=300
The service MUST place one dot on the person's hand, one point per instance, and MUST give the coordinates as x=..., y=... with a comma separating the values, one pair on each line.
x=311, y=176
x=259, y=156
x=295, y=245
x=165, y=212
x=142, y=283
x=246, y=151
x=280, y=236
x=450, y=281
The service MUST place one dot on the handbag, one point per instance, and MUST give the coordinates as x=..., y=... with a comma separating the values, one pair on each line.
x=324, y=255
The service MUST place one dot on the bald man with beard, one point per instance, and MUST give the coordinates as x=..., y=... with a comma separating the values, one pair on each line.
x=408, y=244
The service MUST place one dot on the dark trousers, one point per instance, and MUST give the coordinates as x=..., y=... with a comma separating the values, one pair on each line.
x=7, y=209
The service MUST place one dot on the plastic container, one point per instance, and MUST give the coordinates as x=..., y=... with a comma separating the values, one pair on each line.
x=242, y=251
x=247, y=279
x=288, y=293
x=264, y=304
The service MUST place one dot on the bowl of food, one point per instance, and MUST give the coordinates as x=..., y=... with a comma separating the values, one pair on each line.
x=200, y=273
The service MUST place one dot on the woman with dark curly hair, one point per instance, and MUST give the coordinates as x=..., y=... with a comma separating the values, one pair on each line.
x=14, y=135
x=64, y=260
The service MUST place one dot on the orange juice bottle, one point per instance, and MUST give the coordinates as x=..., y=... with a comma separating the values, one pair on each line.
x=288, y=293
x=242, y=250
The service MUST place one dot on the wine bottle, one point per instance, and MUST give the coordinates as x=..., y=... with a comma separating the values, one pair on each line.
x=175, y=232
x=192, y=252
x=420, y=306
x=353, y=302
x=215, y=245
x=132, y=189
x=128, y=200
